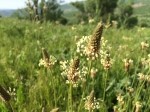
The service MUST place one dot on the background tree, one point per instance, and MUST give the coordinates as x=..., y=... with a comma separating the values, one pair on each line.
x=82, y=16
x=98, y=9
x=53, y=11
x=35, y=9
x=124, y=14
x=41, y=11
x=101, y=8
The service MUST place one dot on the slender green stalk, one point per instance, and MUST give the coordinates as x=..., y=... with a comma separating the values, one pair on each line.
x=105, y=83
x=89, y=67
x=53, y=86
x=81, y=101
x=55, y=98
x=8, y=104
x=70, y=103
x=138, y=93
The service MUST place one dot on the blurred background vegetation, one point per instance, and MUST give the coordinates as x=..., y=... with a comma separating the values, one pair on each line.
x=127, y=13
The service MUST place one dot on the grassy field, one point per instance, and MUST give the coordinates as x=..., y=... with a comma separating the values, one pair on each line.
x=116, y=81
x=142, y=11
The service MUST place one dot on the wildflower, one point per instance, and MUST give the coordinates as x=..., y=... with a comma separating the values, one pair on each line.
x=146, y=61
x=115, y=108
x=84, y=70
x=130, y=89
x=73, y=28
x=12, y=91
x=91, y=20
x=81, y=45
x=106, y=61
x=47, y=61
x=72, y=72
x=144, y=45
x=138, y=106
x=93, y=47
x=143, y=77
x=91, y=103
x=127, y=64
x=93, y=72
x=90, y=45
x=120, y=99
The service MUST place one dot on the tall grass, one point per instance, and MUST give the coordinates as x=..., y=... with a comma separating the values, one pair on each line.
x=116, y=80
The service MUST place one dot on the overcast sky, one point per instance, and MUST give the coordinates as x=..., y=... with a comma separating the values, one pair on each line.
x=15, y=4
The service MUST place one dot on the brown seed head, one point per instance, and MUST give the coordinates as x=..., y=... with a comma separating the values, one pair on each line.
x=4, y=95
x=73, y=69
x=90, y=101
x=45, y=55
x=94, y=44
x=91, y=97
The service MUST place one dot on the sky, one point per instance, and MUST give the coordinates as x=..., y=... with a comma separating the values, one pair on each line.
x=15, y=4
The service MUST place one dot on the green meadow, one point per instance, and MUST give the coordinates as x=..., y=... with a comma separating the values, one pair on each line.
x=116, y=81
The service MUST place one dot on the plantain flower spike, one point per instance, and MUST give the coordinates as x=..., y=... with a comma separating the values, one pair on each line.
x=94, y=43
x=47, y=61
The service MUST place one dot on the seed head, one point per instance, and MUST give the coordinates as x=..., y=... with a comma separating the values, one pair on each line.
x=45, y=55
x=4, y=95
x=94, y=43
x=73, y=69
x=106, y=61
x=144, y=45
x=93, y=72
x=127, y=64
x=138, y=106
x=90, y=101
x=47, y=61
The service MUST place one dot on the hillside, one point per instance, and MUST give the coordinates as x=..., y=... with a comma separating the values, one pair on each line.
x=141, y=10
x=6, y=12
x=70, y=12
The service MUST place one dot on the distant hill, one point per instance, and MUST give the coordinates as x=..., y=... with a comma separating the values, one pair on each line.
x=142, y=11
x=70, y=12
x=65, y=7
x=7, y=12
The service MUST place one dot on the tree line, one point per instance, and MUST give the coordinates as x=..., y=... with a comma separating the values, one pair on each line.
x=99, y=10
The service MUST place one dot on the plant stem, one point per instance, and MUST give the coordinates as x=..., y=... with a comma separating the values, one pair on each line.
x=105, y=82
x=9, y=106
x=70, y=109
x=53, y=86
x=138, y=93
